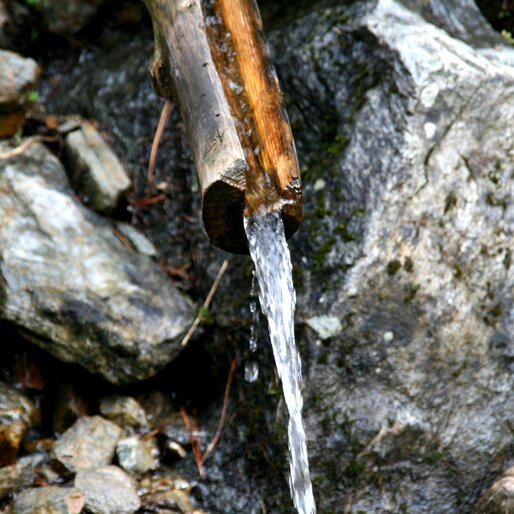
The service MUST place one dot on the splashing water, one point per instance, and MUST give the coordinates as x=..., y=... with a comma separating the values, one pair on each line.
x=270, y=254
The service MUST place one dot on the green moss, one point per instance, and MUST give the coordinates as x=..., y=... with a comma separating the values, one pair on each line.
x=342, y=230
x=33, y=96
x=507, y=260
x=451, y=202
x=410, y=292
x=457, y=271
x=507, y=36
x=393, y=266
x=408, y=265
x=322, y=251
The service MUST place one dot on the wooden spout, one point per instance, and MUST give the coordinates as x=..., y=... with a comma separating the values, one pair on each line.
x=211, y=57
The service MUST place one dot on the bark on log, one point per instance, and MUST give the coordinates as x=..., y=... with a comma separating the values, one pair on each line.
x=210, y=57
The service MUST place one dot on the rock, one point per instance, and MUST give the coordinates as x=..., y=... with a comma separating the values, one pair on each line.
x=123, y=410
x=325, y=326
x=67, y=17
x=95, y=170
x=499, y=498
x=167, y=493
x=108, y=490
x=49, y=500
x=89, y=443
x=135, y=455
x=71, y=286
x=141, y=243
x=408, y=245
x=69, y=407
x=17, y=413
x=19, y=475
x=18, y=77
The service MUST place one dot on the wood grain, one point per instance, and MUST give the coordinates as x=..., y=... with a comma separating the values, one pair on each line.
x=211, y=57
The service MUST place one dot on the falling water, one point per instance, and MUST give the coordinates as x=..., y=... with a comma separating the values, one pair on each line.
x=270, y=254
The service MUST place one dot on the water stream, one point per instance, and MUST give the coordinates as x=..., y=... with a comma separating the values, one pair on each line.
x=270, y=254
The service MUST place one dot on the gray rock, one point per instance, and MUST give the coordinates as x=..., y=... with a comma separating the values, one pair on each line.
x=123, y=410
x=108, y=490
x=89, y=443
x=135, y=455
x=71, y=286
x=19, y=475
x=96, y=172
x=17, y=414
x=49, y=500
x=19, y=75
x=67, y=17
x=409, y=246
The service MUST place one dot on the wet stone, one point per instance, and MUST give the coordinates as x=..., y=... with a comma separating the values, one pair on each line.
x=108, y=490
x=19, y=475
x=166, y=493
x=72, y=287
x=123, y=410
x=136, y=455
x=49, y=500
x=18, y=76
x=16, y=415
x=96, y=172
x=67, y=17
x=89, y=443
x=69, y=407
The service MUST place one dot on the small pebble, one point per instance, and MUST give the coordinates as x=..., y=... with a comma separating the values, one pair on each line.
x=108, y=490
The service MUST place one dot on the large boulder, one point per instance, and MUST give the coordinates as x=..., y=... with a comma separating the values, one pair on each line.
x=71, y=286
x=407, y=243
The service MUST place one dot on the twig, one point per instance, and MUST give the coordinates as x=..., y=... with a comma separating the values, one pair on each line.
x=223, y=414
x=206, y=304
x=9, y=154
x=124, y=241
x=167, y=109
x=348, y=505
x=195, y=441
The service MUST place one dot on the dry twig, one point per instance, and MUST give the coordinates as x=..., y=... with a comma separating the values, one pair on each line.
x=194, y=429
x=167, y=109
x=223, y=414
x=195, y=440
x=9, y=154
x=206, y=304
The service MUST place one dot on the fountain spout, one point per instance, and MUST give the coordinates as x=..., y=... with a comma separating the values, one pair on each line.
x=210, y=57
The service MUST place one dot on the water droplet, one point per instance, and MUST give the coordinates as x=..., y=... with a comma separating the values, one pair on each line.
x=251, y=371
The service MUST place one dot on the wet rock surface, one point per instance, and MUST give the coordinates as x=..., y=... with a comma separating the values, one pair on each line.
x=70, y=284
x=402, y=265
x=95, y=170
x=107, y=490
x=136, y=455
x=49, y=500
x=123, y=410
x=67, y=17
x=18, y=78
x=88, y=443
x=17, y=414
x=19, y=475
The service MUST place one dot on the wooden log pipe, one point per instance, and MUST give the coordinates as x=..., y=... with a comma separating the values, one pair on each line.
x=211, y=58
